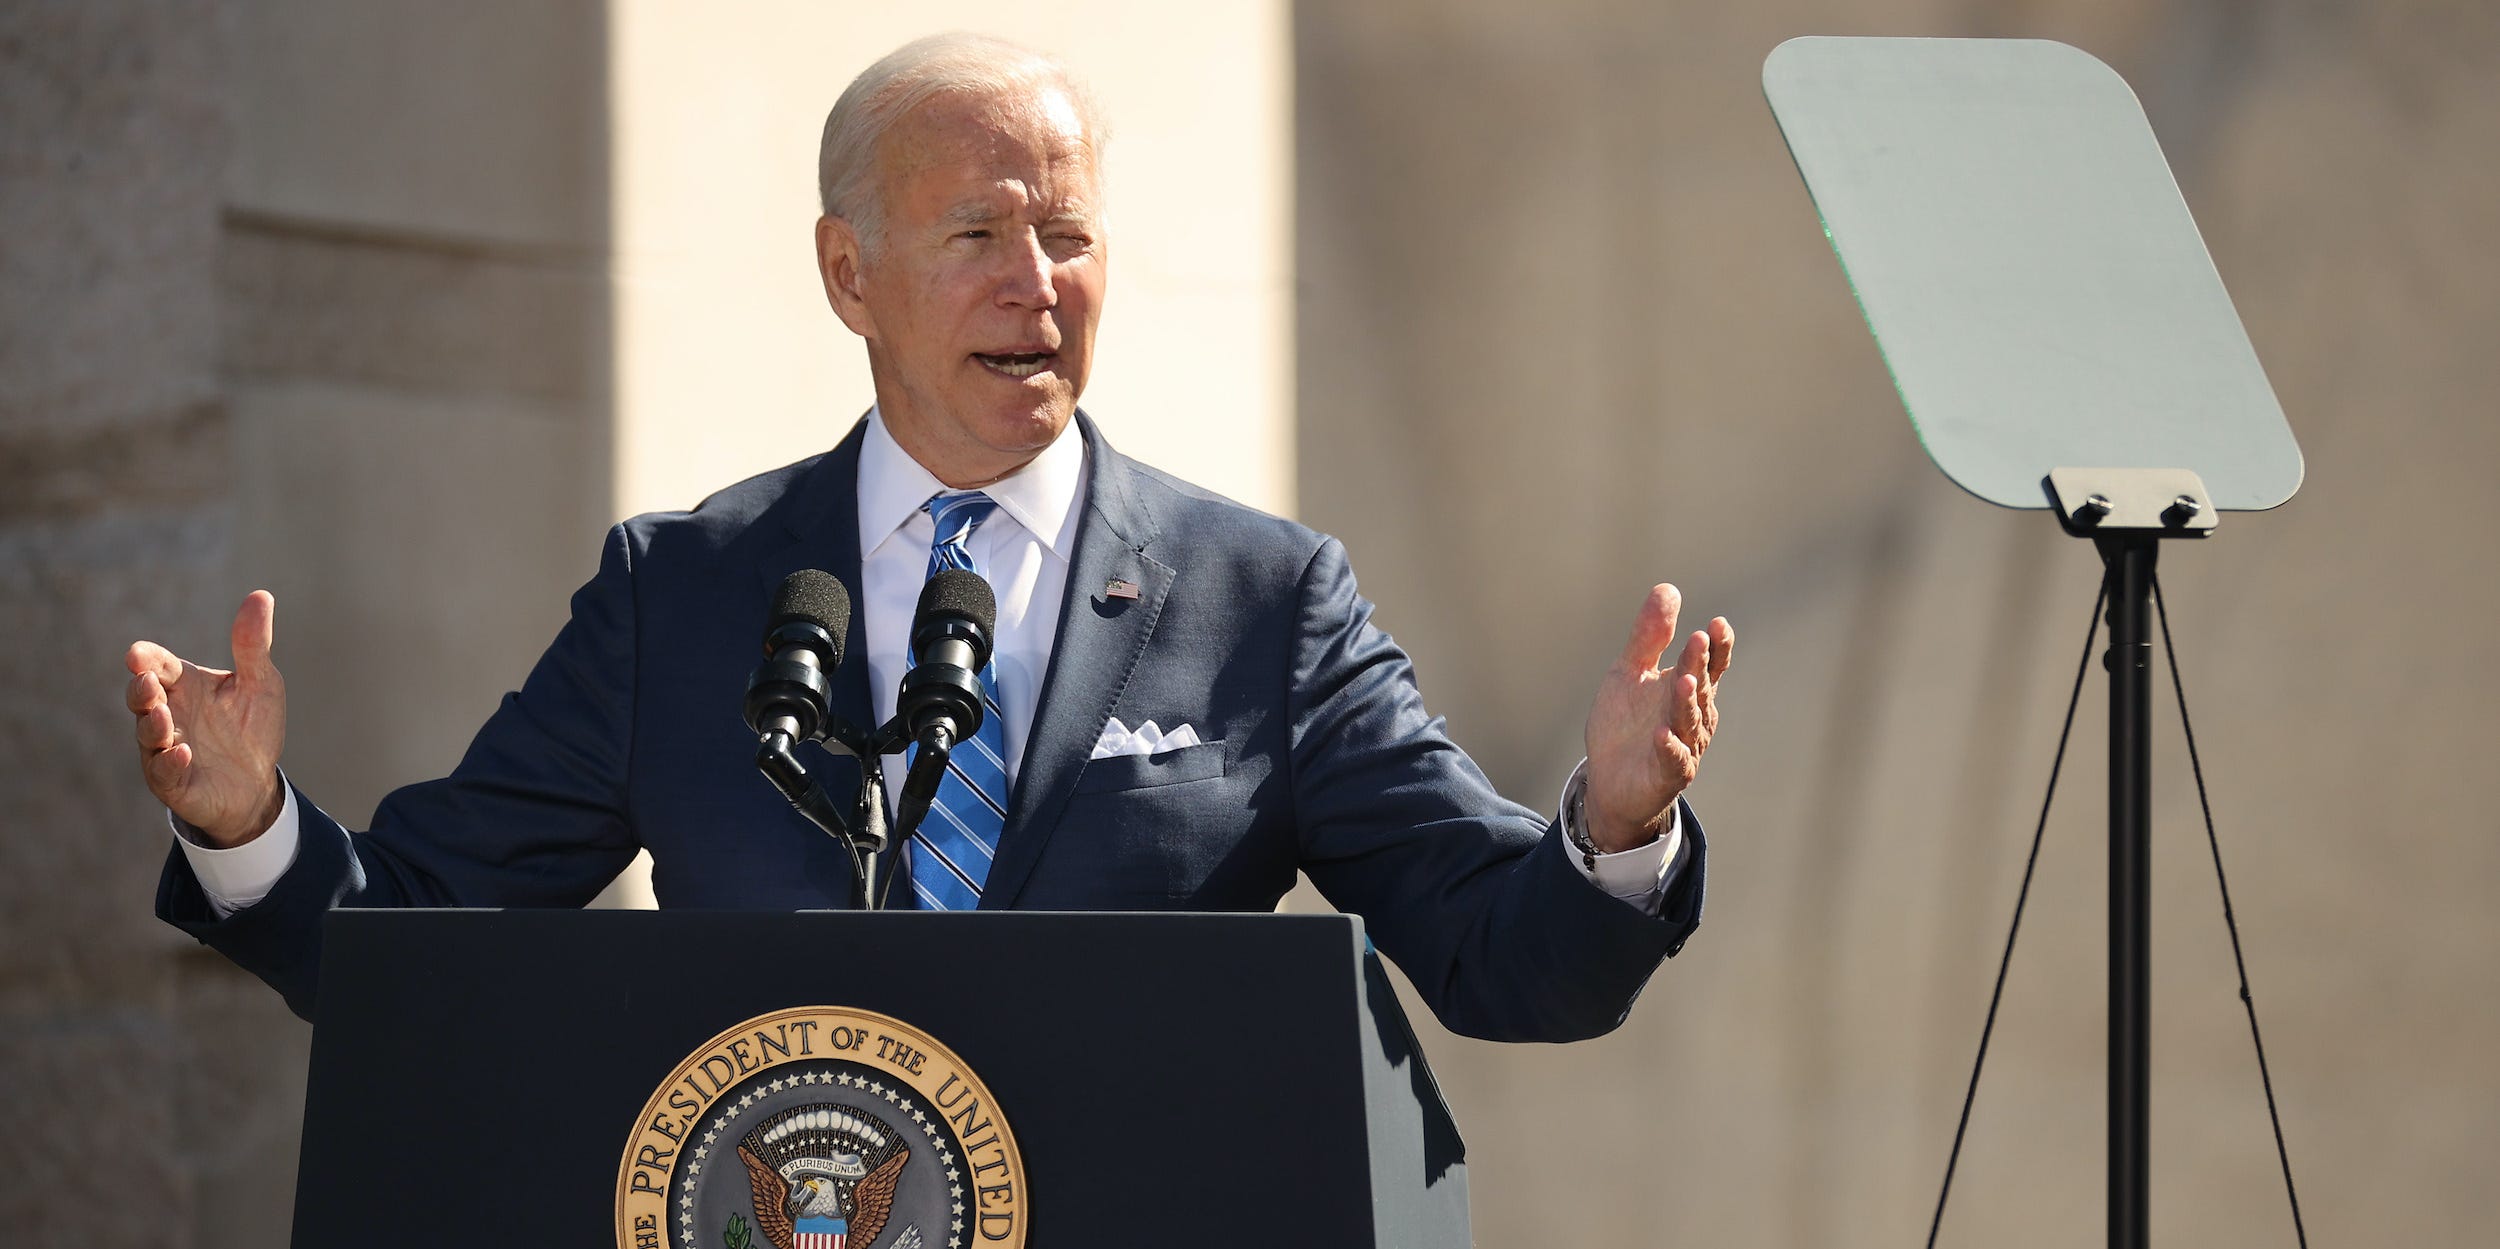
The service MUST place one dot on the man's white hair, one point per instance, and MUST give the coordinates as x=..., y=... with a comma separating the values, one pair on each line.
x=906, y=78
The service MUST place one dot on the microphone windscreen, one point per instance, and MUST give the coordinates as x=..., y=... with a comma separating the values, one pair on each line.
x=813, y=596
x=962, y=594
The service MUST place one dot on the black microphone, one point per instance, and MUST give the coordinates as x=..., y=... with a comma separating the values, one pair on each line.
x=789, y=701
x=789, y=693
x=940, y=703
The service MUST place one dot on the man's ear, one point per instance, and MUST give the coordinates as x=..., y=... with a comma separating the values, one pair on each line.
x=838, y=262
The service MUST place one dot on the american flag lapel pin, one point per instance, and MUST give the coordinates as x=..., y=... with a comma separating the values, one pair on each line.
x=1120, y=589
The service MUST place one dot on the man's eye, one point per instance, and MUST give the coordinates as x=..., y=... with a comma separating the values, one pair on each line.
x=974, y=234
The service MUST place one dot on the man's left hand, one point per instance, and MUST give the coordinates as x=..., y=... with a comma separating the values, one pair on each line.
x=1650, y=725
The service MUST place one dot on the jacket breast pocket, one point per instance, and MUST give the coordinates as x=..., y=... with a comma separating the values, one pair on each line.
x=1189, y=763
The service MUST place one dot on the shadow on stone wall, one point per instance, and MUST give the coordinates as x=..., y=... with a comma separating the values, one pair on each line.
x=1568, y=326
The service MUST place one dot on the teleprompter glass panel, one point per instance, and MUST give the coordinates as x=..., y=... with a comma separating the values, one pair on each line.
x=2029, y=270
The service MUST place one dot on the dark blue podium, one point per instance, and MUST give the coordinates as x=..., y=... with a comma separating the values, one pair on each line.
x=1203, y=1080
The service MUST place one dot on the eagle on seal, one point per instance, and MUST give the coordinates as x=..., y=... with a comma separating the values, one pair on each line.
x=800, y=1204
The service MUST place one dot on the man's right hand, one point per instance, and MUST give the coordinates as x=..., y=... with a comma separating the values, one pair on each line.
x=209, y=738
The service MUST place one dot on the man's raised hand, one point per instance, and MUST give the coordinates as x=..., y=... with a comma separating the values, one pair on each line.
x=1650, y=725
x=209, y=738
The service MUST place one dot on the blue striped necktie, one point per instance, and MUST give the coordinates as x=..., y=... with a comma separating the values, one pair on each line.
x=952, y=848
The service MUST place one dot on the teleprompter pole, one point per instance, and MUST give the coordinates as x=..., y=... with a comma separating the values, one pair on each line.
x=2129, y=660
x=2128, y=513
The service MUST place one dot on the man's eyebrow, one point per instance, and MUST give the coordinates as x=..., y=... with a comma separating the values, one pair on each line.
x=972, y=213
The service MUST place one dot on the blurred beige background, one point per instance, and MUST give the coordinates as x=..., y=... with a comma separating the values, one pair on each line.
x=391, y=307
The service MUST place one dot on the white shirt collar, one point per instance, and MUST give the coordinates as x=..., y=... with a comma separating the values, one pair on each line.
x=1042, y=496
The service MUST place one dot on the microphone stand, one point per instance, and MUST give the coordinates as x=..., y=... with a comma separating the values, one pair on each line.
x=863, y=833
x=870, y=885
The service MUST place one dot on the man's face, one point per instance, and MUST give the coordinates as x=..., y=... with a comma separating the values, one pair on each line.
x=979, y=308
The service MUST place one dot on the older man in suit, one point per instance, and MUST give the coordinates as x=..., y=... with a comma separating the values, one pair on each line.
x=963, y=240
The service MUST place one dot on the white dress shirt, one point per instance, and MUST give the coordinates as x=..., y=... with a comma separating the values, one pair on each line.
x=1023, y=550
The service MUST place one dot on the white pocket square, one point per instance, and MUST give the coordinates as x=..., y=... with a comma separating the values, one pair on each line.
x=1119, y=739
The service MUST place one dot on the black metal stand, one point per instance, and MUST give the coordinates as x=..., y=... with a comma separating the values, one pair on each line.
x=2128, y=512
x=2129, y=659
x=869, y=887
x=863, y=832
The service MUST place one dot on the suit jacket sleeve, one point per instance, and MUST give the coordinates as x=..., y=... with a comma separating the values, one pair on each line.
x=1470, y=894
x=533, y=816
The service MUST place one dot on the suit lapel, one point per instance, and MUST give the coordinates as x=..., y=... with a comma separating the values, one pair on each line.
x=1099, y=643
x=820, y=529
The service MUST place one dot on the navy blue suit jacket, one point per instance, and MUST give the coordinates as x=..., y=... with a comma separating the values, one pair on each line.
x=1318, y=755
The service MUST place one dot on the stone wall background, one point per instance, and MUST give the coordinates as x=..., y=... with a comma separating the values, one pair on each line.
x=1565, y=326
x=295, y=295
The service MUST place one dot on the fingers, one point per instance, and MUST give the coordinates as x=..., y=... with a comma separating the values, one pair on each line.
x=144, y=691
x=1653, y=628
x=255, y=631
x=148, y=657
x=1695, y=660
x=156, y=729
x=156, y=716
x=1722, y=652
x=165, y=769
x=1684, y=714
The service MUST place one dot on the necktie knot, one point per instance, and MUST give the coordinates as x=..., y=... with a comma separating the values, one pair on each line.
x=956, y=516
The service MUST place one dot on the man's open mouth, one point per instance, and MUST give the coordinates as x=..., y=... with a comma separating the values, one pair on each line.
x=1017, y=364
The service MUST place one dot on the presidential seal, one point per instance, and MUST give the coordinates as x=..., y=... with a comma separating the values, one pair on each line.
x=821, y=1127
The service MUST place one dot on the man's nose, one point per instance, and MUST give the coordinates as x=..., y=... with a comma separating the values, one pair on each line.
x=1027, y=282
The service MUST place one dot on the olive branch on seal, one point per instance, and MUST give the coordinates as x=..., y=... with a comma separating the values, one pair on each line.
x=738, y=1235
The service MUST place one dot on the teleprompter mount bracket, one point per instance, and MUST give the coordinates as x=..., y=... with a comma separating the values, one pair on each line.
x=2166, y=502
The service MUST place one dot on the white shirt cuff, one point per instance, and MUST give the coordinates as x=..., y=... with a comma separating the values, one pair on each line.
x=1639, y=876
x=237, y=878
